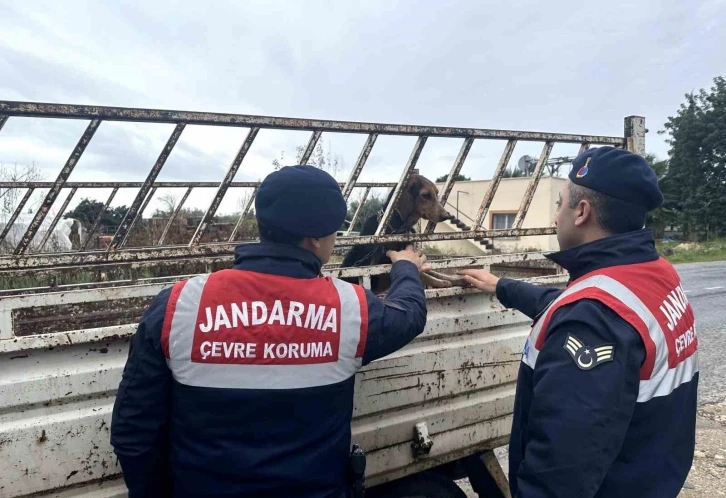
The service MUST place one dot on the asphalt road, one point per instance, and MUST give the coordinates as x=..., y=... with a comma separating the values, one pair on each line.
x=705, y=286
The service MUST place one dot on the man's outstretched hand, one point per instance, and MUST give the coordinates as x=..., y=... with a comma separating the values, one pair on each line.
x=481, y=279
x=416, y=257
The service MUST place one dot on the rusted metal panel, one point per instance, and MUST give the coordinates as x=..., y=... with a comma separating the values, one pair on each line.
x=134, y=211
x=174, y=215
x=40, y=110
x=361, y=202
x=57, y=186
x=159, y=254
x=93, y=229
x=161, y=184
x=16, y=213
x=310, y=146
x=410, y=166
x=243, y=215
x=57, y=218
x=224, y=186
x=635, y=134
x=494, y=185
x=360, y=162
x=451, y=179
x=532, y=187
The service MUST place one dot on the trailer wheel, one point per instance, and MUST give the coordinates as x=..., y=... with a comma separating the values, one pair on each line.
x=423, y=485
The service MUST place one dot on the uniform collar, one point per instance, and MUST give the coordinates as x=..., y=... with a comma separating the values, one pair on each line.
x=623, y=249
x=277, y=259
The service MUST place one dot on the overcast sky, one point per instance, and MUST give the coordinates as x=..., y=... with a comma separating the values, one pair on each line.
x=563, y=66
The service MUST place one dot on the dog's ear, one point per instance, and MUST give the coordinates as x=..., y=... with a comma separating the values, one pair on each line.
x=407, y=202
x=414, y=186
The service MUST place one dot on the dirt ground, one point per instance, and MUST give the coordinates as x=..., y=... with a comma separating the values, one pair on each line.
x=708, y=473
x=707, y=478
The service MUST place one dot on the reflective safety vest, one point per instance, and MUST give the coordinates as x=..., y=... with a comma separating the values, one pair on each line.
x=246, y=330
x=649, y=296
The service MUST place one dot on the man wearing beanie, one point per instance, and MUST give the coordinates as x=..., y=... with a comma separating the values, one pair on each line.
x=240, y=383
x=606, y=394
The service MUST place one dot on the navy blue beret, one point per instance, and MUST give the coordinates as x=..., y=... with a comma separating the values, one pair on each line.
x=301, y=200
x=618, y=173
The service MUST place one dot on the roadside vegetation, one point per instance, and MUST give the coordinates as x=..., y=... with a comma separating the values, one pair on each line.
x=693, y=252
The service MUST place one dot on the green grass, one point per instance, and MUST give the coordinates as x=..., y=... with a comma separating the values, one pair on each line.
x=714, y=250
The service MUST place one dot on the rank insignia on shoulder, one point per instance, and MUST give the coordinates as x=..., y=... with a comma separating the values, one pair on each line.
x=588, y=357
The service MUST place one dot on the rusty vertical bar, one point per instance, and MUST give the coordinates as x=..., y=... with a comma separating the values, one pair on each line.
x=138, y=216
x=57, y=186
x=174, y=215
x=242, y=216
x=362, y=158
x=412, y=160
x=55, y=221
x=130, y=218
x=486, y=202
x=16, y=213
x=223, y=187
x=532, y=186
x=583, y=147
x=451, y=179
x=310, y=146
x=635, y=134
x=358, y=210
x=3, y=120
x=93, y=229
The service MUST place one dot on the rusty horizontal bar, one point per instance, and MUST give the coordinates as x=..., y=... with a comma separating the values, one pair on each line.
x=163, y=184
x=330, y=270
x=171, y=253
x=69, y=111
x=57, y=186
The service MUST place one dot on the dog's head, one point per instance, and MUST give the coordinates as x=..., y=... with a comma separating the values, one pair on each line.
x=421, y=200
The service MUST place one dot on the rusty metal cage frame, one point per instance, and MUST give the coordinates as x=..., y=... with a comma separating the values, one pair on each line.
x=22, y=262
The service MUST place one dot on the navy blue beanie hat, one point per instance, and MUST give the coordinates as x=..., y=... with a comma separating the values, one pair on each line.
x=618, y=173
x=301, y=200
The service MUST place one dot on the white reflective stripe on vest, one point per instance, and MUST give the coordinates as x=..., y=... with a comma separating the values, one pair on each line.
x=663, y=379
x=237, y=376
x=533, y=353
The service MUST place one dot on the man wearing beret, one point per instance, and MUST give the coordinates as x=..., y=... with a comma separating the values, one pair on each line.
x=606, y=394
x=240, y=383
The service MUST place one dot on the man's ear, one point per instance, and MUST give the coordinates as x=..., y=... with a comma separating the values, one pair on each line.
x=583, y=212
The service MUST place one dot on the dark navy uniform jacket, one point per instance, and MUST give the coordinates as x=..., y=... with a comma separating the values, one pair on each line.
x=583, y=433
x=186, y=441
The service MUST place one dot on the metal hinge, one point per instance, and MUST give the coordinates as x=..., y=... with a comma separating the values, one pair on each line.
x=422, y=443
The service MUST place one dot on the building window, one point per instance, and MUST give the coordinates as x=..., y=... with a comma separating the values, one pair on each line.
x=503, y=221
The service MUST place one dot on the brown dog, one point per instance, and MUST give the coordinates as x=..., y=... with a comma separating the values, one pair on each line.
x=419, y=200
